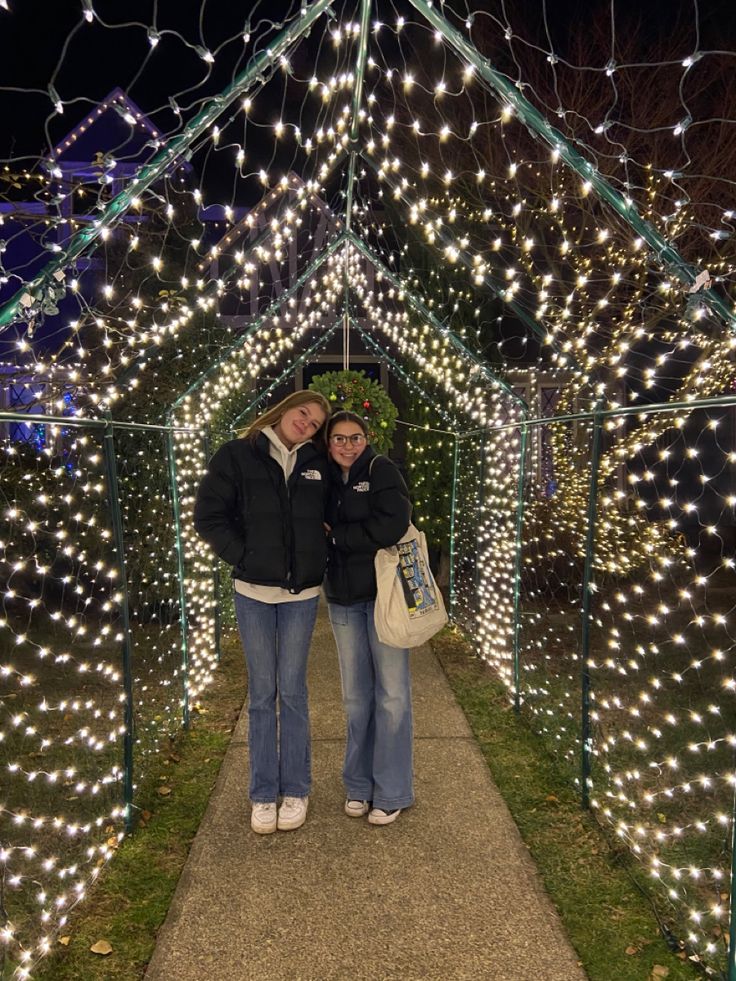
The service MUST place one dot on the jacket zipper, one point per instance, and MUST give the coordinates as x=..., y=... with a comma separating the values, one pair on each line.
x=290, y=559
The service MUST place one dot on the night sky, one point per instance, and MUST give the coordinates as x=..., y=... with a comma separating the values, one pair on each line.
x=97, y=59
x=34, y=33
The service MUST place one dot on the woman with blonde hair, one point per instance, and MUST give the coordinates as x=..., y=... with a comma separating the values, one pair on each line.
x=261, y=507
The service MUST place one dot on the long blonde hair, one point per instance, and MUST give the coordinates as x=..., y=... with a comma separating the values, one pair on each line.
x=273, y=416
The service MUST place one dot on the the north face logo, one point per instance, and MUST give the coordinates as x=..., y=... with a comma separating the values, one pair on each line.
x=311, y=475
x=363, y=486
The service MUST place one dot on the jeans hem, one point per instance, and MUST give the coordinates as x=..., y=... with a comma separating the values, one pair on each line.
x=358, y=795
x=393, y=805
x=271, y=800
x=295, y=793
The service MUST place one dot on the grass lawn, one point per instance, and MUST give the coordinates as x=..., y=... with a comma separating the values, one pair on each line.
x=129, y=903
x=611, y=924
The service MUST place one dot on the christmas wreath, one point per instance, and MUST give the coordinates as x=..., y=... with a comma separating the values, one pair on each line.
x=353, y=390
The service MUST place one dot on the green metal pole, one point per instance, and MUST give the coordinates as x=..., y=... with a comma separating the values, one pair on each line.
x=179, y=546
x=518, y=568
x=425, y=312
x=206, y=446
x=732, y=931
x=276, y=305
x=164, y=160
x=216, y=588
x=718, y=401
x=665, y=252
x=715, y=402
x=365, y=11
x=585, y=733
x=113, y=492
x=481, y=505
x=455, y=459
x=30, y=419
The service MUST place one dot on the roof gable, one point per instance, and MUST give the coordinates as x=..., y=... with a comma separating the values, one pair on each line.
x=117, y=125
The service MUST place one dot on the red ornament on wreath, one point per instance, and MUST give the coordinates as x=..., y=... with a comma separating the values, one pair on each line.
x=366, y=404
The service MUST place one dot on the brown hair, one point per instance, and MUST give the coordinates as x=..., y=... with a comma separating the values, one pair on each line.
x=273, y=416
x=343, y=415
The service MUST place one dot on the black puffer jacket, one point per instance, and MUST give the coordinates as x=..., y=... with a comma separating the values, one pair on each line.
x=270, y=532
x=369, y=512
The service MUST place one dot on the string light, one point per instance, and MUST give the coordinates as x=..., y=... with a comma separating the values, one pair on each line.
x=507, y=231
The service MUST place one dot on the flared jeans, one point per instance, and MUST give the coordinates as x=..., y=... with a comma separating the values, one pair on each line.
x=276, y=638
x=376, y=691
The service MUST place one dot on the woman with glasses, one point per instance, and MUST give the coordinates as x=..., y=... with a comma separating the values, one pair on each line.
x=261, y=506
x=369, y=509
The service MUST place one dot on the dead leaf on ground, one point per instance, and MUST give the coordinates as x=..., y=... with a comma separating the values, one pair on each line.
x=102, y=947
x=632, y=950
x=64, y=941
x=164, y=791
x=660, y=971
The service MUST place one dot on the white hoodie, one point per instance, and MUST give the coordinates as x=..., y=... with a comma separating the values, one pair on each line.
x=275, y=594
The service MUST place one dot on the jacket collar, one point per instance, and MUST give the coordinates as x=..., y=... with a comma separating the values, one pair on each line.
x=306, y=451
x=358, y=469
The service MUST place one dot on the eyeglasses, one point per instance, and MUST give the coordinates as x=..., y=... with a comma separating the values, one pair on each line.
x=357, y=439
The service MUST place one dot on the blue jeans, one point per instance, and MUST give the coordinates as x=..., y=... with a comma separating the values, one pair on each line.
x=376, y=693
x=276, y=639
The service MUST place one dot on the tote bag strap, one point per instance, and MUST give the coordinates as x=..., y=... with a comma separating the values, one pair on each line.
x=378, y=456
x=411, y=531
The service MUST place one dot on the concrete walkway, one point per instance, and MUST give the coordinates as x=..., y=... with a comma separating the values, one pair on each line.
x=447, y=892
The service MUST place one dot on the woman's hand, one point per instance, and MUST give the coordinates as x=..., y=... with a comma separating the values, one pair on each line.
x=327, y=528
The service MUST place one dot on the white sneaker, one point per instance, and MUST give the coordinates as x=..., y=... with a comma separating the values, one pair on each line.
x=379, y=816
x=292, y=813
x=263, y=819
x=356, y=808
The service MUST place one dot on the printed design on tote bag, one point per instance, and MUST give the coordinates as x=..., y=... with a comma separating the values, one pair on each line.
x=416, y=582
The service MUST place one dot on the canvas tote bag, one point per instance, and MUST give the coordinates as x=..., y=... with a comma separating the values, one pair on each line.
x=409, y=607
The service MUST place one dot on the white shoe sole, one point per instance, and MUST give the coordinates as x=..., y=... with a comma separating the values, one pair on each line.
x=291, y=825
x=383, y=819
x=263, y=829
x=357, y=813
